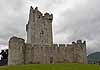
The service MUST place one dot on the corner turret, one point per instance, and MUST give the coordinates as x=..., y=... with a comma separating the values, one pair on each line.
x=16, y=51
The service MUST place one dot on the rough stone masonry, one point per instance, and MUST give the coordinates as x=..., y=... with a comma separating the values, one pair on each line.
x=39, y=48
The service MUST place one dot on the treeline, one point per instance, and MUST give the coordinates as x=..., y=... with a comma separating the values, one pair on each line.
x=4, y=57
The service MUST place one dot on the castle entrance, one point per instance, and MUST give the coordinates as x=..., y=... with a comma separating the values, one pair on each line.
x=51, y=60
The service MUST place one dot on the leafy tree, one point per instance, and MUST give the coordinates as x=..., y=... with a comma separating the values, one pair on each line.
x=4, y=54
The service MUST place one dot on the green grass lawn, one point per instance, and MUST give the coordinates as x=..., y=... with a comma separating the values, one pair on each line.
x=52, y=67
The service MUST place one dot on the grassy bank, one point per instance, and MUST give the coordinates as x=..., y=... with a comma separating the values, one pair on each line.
x=52, y=67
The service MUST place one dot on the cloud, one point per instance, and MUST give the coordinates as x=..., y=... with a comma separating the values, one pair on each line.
x=12, y=20
x=83, y=23
x=73, y=19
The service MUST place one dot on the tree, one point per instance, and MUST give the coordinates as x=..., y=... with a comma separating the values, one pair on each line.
x=4, y=54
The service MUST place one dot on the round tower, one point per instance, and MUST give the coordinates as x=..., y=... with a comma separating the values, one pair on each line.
x=16, y=51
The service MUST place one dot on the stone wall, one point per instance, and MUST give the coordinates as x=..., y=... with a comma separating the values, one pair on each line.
x=57, y=53
x=28, y=53
x=16, y=51
x=21, y=53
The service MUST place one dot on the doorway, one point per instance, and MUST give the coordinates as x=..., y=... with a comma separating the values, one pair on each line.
x=51, y=60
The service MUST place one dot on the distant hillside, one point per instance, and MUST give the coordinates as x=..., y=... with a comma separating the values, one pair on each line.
x=94, y=57
x=51, y=67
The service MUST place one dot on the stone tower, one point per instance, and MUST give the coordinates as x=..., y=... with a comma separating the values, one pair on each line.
x=39, y=27
x=16, y=51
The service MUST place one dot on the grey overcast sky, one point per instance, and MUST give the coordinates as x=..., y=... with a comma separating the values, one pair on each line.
x=73, y=19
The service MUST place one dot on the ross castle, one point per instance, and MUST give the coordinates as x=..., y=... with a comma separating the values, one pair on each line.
x=39, y=48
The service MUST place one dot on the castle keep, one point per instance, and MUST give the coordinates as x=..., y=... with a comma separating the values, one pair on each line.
x=39, y=48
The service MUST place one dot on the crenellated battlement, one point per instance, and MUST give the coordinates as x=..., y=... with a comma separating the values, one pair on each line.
x=38, y=14
x=35, y=11
x=48, y=16
x=79, y=42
